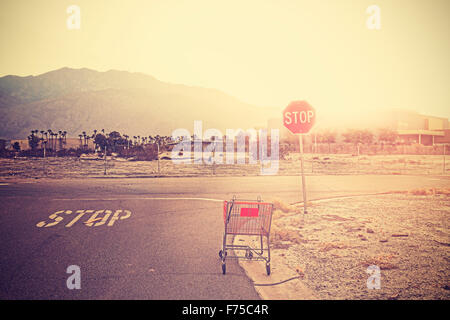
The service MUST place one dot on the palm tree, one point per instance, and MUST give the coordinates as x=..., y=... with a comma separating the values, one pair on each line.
x=53, y=141
x=84, y=139
x=49, y=131
x=50, y=135
x=46, y=139
x=32, y=140
x=60, y=136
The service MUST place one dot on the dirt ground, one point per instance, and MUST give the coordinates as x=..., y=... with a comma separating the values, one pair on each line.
x=407, y=235
x=315, y=164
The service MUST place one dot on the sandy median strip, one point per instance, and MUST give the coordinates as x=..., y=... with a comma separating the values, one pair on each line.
x=406, y=234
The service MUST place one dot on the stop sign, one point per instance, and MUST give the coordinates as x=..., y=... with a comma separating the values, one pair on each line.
x=299, y=117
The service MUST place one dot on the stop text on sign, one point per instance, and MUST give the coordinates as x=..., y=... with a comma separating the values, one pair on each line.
x=298, y=117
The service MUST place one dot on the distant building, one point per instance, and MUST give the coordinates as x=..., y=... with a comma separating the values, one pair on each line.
x=418, y=128
x=411, y=127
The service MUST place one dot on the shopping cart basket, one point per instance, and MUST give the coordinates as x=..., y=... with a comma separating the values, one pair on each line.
x=250, y=218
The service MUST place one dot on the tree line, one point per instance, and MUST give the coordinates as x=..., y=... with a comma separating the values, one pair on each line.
x=54, y=143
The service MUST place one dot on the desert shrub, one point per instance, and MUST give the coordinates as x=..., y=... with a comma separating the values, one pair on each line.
x=282, y=206
x=145, y=153
x=327, y=246
x=280, y=235
x=74, y=152
x=384, y=261
x=30, y=153
x=445, y=192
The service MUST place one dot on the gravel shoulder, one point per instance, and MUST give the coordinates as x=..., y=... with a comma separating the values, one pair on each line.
x=407, y=235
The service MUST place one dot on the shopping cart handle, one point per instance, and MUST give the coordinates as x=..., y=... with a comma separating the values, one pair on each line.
x=229, y=212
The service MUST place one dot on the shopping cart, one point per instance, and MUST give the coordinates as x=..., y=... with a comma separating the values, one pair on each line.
x=250, y=218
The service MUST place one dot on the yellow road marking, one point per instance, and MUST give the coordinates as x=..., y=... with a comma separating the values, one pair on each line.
x=145, y=198
x=81, y=213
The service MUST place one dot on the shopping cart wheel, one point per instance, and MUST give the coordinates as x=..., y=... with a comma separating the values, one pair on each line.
x=249, y=254
x=268, y=268
x=221, y=254
x=224, y=268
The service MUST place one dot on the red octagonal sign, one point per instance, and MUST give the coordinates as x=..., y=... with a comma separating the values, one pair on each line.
x=299, y=117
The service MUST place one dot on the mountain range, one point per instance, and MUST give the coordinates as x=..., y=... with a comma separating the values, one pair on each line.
x=76, y=100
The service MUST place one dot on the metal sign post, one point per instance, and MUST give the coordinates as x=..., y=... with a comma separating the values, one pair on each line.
x=299, y=117
x=45, y=160
x=300, y=138
x=105, y=162
x=443, y=168
x=159, y=167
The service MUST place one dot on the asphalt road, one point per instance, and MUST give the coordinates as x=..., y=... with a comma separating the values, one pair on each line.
x=163, y=244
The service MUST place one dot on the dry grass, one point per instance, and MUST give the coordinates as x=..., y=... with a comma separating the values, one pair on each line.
x=282, y=206
x=430, y=192
x=383, y=261
x=445, y=192
x=397, y=192
x=423, y=192
x=281, y=235
x=283, y=209
x=327, y=246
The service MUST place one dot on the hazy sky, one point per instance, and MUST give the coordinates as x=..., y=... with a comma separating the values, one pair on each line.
x=262, y=52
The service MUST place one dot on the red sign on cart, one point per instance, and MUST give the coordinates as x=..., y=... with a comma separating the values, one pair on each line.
x=249, y=212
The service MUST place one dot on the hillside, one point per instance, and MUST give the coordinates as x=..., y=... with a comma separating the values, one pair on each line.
x=79, y=100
